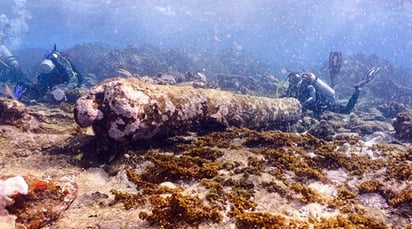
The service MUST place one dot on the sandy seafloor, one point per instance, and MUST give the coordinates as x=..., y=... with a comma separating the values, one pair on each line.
x=248, y=179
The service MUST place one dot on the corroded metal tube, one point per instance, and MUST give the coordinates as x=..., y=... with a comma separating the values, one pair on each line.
x=127, y=109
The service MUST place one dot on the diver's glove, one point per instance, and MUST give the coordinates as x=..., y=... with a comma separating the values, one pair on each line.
x=369, y=75
x=18, y=91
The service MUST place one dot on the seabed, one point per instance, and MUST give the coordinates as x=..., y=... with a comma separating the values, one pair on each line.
x=237, y=178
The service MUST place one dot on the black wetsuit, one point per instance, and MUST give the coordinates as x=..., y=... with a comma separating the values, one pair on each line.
x=312, y=99
x=61, y=74
x=338, y=108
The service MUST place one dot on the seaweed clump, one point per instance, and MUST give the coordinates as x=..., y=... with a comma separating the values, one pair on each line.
x=178, y=211
x=266, y=220
x=173, y=168
x=170, y=208
x=405, y=197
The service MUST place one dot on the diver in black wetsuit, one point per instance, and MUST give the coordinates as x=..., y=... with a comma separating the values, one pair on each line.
x=56, y=69
x=317, y=96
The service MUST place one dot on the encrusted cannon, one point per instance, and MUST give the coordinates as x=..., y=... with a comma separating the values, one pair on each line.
x=127, y=109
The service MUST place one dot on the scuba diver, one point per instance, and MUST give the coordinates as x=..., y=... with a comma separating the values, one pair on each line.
x=7, y=61
x=316, y=95
x=10, y=70
x=56, y=69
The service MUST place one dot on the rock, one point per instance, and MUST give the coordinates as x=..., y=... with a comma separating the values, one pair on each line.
x=13, y=112
x=323, y=130
x=403, y=126
x=370, y=127
x=43, y=202
x=125, y=109
x=10, y=187
x=362, y=127
x=390, y=110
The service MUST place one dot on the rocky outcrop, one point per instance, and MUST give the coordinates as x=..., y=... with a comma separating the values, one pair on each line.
x=127, y=109
x=403, y=126
x=14, y=113
x=390, y=110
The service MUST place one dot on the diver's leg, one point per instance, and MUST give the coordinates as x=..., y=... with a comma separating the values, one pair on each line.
x=350, y=105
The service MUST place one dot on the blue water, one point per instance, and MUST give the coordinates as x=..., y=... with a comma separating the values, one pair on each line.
x=286, y=33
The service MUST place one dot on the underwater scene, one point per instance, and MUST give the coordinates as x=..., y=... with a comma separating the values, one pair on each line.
x=205, y=114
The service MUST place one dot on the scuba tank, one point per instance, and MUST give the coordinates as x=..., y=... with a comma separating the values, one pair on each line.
x=9, y=59
x=47, y=66
x=53, y=58
x=321, y=86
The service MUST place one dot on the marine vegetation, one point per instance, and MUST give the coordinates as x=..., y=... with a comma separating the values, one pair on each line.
x=271, y=179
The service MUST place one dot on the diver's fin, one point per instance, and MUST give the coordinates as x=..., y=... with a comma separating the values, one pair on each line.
x=335, y=64
x=368, y=76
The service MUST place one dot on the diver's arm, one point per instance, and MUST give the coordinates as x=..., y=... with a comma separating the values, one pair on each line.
x=312, y=96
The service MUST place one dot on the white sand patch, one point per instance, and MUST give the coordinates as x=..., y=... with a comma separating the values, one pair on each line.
x=326, y=190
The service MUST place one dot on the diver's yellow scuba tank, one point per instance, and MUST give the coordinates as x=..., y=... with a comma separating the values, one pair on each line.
x=321, y=86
